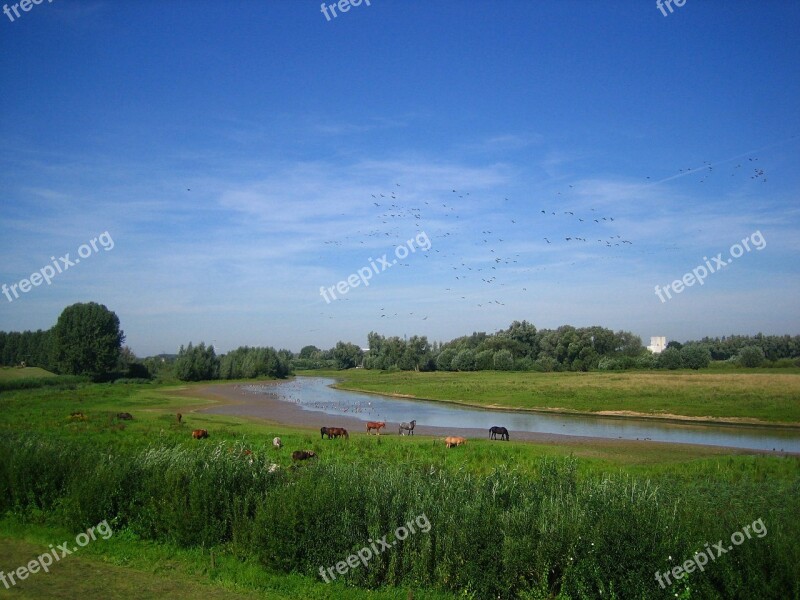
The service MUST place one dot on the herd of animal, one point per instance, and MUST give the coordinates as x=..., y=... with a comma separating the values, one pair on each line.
x=334, y=432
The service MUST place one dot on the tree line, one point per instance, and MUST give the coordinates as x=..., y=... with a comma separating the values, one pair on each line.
x=523, y=347
x=87, y=340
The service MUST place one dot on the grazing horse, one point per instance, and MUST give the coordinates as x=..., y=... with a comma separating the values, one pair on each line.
x=376, y=425
x=454, y=441
x=323, y=431
x=409, y=427
x=334, y=432
x=302, y=455
x=199, y=434
x=501, y=431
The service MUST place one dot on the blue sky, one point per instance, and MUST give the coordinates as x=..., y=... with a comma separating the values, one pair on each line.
x=232, y=150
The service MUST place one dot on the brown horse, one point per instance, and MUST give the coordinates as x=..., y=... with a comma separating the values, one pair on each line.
x=334, y=432
x=376, y=425
x=199, y=434
x=454, y=441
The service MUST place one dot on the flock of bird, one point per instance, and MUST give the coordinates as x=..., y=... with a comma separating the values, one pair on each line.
x=502, y=249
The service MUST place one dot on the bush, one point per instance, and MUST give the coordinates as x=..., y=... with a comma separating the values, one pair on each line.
x=484, y=361
x=523, y=364
x=695, y=356
x=751, y=357
x=503, y=360
x=670, y=358
x=464, y=361
x=444, y=362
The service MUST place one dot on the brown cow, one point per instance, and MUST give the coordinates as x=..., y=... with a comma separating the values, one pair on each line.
x=199, y=434
x=376, y=425
x=454, y=441
x=303, y=454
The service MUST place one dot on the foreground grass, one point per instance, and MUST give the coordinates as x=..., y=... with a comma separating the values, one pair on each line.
x=125, y=567
x=506, y=515
x=768, y=397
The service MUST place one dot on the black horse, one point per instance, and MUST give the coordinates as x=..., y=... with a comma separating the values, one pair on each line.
x=501, y=431
x=409, y=427
x=323, y=431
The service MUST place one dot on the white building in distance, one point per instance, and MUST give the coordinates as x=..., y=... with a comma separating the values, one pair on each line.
x=657, y=344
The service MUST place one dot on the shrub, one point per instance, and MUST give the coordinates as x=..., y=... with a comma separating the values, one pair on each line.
x=695, y=356
x=503, y=360
x=670, y=358
x=751, y=357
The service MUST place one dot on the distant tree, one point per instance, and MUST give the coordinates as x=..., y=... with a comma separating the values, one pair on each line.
x=347, y=355
x=484, y=360
x=523, y=364
x=670, y=358
x=308, y=351
x=444, y=362
x=674, y=344
x=695, y=356
x=464, y=361
x=87, y=340
x=751, y=357
x=503, y=360
x=196, y=363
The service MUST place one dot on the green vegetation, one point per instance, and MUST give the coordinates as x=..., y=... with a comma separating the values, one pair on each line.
x=507, y=519
x=769, y=397
x=11, y=373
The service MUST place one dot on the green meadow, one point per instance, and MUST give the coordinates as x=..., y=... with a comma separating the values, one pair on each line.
x=761, y=396
x=508, y=519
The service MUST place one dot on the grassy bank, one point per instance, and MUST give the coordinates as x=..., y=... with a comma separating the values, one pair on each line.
x=767, y=397
x=507, y=520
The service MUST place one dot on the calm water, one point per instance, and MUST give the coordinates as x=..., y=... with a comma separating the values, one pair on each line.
x=314, y=394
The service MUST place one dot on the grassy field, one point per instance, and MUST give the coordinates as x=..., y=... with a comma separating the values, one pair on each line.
x=769, y=397
x=507, y=518
x=7, y=373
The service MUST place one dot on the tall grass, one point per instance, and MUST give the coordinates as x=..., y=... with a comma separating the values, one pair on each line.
x=546, y=534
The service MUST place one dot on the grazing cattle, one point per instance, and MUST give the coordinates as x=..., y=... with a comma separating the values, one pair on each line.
x=501, y=431
x=303, y=455
x=454, y=441
x=334, y=432
x=180, y=417
x=123, y=416
x=376, y=425
x=409, y=427
x=277, y=443
x=199, y=434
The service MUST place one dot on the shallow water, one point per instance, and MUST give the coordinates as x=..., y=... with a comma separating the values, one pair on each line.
x=314, y=394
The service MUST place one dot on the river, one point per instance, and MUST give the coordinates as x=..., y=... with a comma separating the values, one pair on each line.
x=315, y=394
